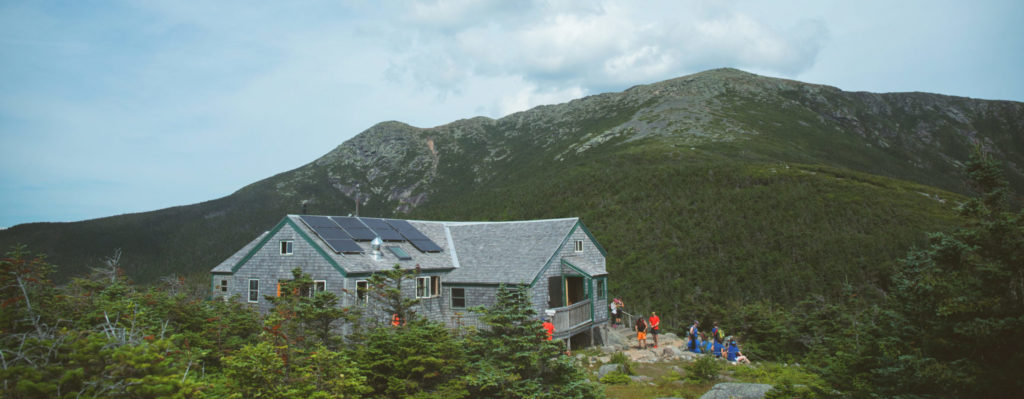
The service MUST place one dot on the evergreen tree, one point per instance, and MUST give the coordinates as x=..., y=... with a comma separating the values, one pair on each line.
x=514, y=359
x=956, y=322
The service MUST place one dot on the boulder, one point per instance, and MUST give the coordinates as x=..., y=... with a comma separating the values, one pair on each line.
x=736, y=390
x=608, y=368
x=616, y=339
x=640, y=378
x=671, y=352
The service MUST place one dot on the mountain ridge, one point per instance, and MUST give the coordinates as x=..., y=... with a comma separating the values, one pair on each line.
x=728, y=134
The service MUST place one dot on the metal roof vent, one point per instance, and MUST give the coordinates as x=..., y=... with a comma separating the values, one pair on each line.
x=375, y=244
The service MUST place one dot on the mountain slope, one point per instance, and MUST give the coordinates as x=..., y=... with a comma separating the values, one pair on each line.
x=689, y=178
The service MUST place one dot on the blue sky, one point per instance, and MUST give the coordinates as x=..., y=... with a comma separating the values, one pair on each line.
x=118, y=107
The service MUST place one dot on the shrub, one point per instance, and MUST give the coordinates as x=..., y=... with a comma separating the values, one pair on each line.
x=621, y=358
x=704, y=370
x=615, y=377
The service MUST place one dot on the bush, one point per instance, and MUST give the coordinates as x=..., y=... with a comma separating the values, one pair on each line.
x=621, y=358
x=704, y=370
x=615, y=377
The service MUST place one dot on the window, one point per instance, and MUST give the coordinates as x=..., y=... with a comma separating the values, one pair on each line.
x=428, y=287
x=579, y=245
x=458, y=298
x=601, y=289
x=223, y=286
x=319, y=286
x=254, y=290
x=362, y=287
x=286, y=247
x=399, y=253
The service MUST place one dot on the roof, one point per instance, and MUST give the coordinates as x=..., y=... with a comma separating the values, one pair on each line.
x=472, y=252
x=228, y=264
x=506, y=252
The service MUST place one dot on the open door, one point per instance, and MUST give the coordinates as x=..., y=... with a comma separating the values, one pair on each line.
x=575, y=290
x=555, y=297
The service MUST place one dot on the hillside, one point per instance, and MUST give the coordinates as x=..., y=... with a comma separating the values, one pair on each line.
x=725, y=178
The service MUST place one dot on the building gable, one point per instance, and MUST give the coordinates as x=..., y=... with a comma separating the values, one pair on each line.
x=273, y=233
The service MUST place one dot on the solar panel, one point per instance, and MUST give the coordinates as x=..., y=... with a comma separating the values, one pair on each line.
x=425, y=245
x=414, y=235
x=344, y=245
x=354, y=228
x=382, y=229
x=400, y=225
x=328, y=233
x=317, y=221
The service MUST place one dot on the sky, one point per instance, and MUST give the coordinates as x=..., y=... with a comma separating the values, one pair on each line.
x=114, y=107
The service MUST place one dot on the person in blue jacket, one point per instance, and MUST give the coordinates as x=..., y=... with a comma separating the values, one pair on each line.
x=707, y=345
x=692, y=333
x=717, y=348
x=698, y=345
x=734, y=354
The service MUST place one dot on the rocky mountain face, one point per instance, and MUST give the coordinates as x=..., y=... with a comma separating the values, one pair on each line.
x=921, y=137
x=745, y=124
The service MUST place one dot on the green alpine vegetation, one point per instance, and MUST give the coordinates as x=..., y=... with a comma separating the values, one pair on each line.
x=783, y=210
x=103, y=337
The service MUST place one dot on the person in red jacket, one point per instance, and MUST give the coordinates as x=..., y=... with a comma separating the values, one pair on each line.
x=655, y=325
x=549, y=327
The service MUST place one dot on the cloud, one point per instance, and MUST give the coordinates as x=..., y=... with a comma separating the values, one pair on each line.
x=571, y=47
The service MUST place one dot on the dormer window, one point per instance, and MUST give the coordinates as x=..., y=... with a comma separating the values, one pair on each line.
x=579, y=245
x=286, y=247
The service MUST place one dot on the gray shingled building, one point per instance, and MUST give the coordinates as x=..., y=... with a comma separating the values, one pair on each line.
x=461, y=265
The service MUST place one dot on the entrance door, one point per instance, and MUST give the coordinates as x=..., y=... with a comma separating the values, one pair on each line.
x=575, y=290
x=555, y=297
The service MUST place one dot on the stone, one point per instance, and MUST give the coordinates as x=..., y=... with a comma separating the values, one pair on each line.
x=608, y=368
x=671, y=352
x=736, y=390
x=640, y=378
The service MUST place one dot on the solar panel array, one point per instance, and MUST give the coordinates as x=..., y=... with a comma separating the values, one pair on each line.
x=417, y=239
x=337, y=238
x=342, y=232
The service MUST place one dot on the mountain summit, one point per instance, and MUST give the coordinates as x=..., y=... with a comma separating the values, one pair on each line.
x=719, y=170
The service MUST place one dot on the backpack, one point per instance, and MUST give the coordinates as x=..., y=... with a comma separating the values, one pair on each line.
x=721, y=335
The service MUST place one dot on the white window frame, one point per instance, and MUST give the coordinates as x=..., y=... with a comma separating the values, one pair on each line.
x=224, y=284
x=428, y=287
x=251, y=291
x=366, y=292
x=316, y=287
x=579, y=246
x=602, y=288
x=451, y=294
x=287, y=247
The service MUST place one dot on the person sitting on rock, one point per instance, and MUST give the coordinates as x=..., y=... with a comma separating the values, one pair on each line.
x=718, y=349
x=706, y=345
x=641, y=333
x=734, y=354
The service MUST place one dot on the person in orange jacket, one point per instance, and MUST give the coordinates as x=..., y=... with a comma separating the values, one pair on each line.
x=549, y=327
x=655, y=324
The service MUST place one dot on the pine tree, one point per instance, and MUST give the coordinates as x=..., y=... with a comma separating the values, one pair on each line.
x=514, y=359
x=956, y=320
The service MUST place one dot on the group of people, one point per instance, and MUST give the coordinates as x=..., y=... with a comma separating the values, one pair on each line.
x=718, y=346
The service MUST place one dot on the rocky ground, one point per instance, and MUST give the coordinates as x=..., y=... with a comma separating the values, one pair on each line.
x=660, y=372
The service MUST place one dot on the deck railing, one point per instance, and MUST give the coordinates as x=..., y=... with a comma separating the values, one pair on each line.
x=572, y=316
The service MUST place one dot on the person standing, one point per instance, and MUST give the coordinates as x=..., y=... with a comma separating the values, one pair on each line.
x=693, y=336
x=641, y=333
x=655, y=326
x=716, y=334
